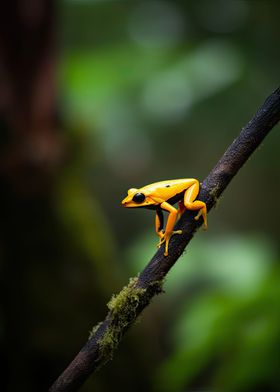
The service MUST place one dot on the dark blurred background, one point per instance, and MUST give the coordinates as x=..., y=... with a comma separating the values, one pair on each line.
x=100, y=96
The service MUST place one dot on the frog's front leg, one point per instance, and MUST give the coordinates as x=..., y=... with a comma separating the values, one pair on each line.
x=172, y=217
x=159, y=225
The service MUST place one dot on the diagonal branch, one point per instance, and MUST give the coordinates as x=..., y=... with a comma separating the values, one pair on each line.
x=129, y=303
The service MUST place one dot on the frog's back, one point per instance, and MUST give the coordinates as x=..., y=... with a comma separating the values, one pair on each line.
x=178, y=185
x=169, y=190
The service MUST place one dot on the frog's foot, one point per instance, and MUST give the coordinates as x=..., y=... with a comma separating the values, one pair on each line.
x=166, y=238
x=161, y=238
x=202, y=213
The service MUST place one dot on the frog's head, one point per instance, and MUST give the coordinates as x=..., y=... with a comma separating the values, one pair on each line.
x=137, y=198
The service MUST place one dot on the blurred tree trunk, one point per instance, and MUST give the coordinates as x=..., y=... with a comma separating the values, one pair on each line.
x=30, y=152
x=30, y=144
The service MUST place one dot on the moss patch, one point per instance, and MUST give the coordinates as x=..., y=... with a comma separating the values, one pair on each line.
x=124, y=309
x=128, y=299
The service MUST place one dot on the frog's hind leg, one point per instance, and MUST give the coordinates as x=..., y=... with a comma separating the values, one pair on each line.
x=192, y=204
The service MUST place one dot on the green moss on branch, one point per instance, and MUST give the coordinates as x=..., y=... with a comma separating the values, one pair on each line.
x=124, y=310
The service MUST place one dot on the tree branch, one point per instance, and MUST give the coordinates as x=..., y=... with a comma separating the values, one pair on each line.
x=129, y=303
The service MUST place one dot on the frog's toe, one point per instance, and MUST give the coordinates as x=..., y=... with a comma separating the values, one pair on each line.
x=203, y=214
x=166, y=240
x=177, y=232
x=161, y=241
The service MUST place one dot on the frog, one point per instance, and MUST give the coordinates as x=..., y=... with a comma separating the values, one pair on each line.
x=161, y=196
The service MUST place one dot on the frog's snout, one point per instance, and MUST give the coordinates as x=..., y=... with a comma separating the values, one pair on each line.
x=126, y=201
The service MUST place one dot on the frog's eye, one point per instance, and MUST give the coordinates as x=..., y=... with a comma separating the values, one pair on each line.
x=138, y=197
